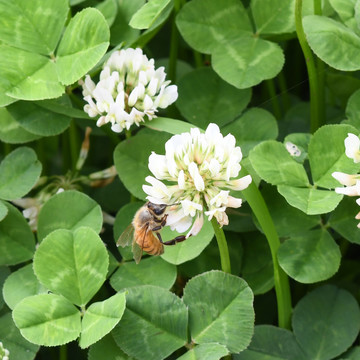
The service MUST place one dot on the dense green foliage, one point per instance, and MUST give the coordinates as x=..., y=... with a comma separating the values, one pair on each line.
x=69, y=293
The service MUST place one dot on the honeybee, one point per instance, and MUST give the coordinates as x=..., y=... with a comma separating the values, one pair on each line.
x=144, y=231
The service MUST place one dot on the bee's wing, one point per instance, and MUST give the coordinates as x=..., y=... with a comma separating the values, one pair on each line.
x=138, y=246
x=127, y=237
x=137, y=252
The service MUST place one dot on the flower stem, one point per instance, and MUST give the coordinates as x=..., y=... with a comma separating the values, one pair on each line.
x=270, y=85
x=222, y=244
x=284, y=92
x=63, y=352
x=198, y=59
x=321, y=73
x=282, y=288
x=174, y=43
x=74, y=144
x=315, y=99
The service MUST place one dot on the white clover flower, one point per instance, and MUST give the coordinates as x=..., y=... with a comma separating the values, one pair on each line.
x=357, y=217
x=4, y=353
x=353, y=190
x=351, y=182
x=345, y=179
x=352, y=147
x=32, y=207
x=198, y=171
x=129, y=90
x=31, y=210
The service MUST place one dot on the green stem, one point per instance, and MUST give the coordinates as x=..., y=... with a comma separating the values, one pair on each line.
x=110, y=134
x=315, y=104
x=198, y=59
x=127, y=134
x=321, y=73
x=174, y=43
x=284, y=91
x=74, y=145
x=40, y=151
x=7, y=148
x=63, y=352
x=317, y=7
x=273, y=98
x=222, y=244
x=65, y=152
x=282, y=287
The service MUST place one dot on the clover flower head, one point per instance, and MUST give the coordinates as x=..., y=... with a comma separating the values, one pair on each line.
x=4, y=353
x=32, y=207
x=352, y=147
x=344, y=179
x=196, y=174
x=129, y=90
x=351, y=182
x=353, y=190
x=357, y=217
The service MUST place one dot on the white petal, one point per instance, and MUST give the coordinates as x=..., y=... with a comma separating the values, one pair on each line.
x=198, y=180
x=352, y=144
x=233, y=167
x=182, y=225
x=233, y=202
x=222, y=218
x=88, y=86
x=220, y=199
x=143, y=78
x=190, y=207
x=103, y=98
x=238, y=184
x=158, y=190
x=136, y=116
x=212, y=133
x=158, y=166
x=91, y=108
x=26, y=202
x=214, y=212
x=160, y=75
x=30, y=212
x=344, y=179
x=178, y=221
x=117, y=128
x=181, y=180
x=120, y=100
x=349, y=190
x=214, y=167
x=133, y=97
x=152, y=87
x=198, y=224
x=147, y=103
x=167, y=97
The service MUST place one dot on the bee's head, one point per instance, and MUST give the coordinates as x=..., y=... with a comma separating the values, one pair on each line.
x=157, y=209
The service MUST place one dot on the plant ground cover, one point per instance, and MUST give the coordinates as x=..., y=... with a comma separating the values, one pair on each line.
x=226, y=129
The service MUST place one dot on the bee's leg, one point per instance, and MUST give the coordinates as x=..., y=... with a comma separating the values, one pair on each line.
x=174, y=241
x=162, y=223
